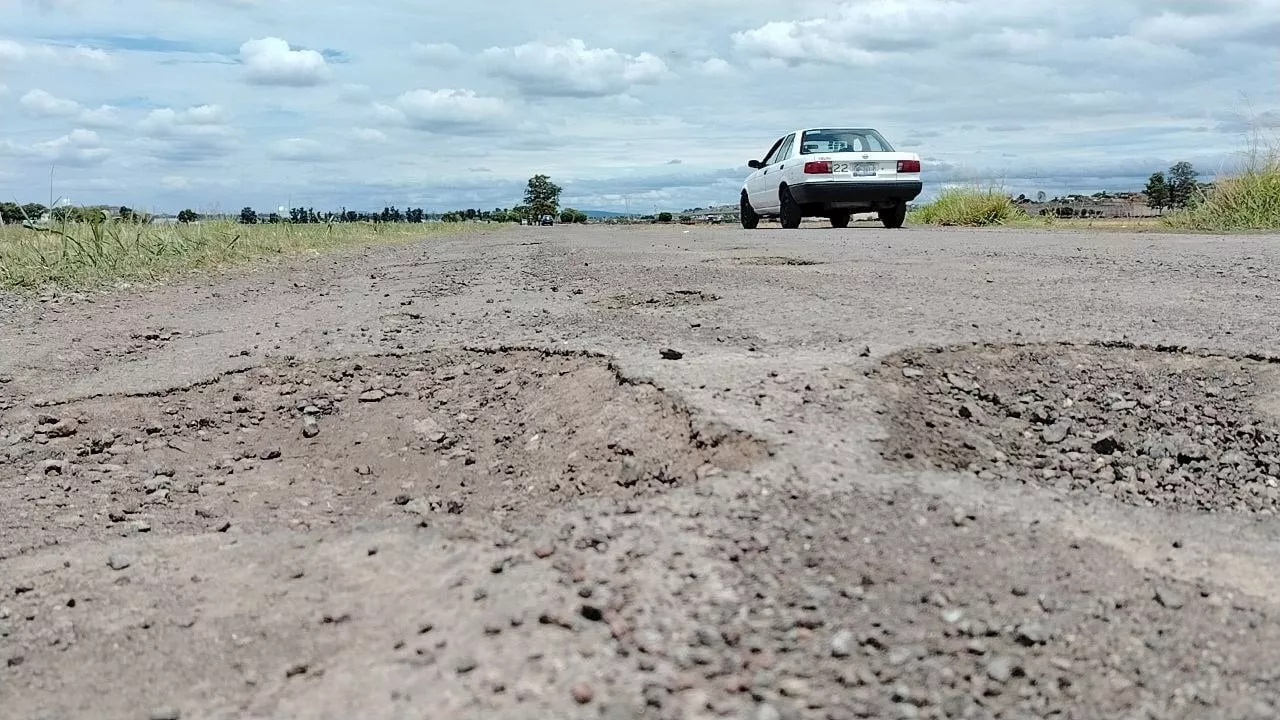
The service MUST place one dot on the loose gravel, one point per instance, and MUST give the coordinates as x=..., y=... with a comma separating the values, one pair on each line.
x=1146, y=427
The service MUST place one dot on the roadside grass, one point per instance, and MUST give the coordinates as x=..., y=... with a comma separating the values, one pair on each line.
x=1248, y=199
x=78, y=256
x=969, y=207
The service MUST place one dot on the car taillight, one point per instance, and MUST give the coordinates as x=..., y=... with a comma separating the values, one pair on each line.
x=908, y=166
x=818, y=167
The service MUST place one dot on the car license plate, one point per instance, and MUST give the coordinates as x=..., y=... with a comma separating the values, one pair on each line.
x=862, y=169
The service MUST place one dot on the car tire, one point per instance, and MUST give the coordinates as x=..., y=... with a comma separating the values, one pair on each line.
x=895, y=216
x=789, y=212
x=840, y=219
x=750, y=220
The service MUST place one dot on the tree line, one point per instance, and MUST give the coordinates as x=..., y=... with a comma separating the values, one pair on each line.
x=541, y=198
x=12, y=213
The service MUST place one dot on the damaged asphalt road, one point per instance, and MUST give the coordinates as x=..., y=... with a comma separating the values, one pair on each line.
x=641, y=473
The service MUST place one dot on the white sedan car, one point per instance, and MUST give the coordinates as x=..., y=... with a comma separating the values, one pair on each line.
x=831, y=173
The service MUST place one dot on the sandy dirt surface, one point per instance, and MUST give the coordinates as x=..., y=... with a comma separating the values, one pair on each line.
x=648, y=473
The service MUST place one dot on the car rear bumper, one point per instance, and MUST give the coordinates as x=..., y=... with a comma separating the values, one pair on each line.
x=856, y=193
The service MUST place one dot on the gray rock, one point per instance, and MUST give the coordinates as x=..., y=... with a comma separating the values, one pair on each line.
x=1001, y=668
x=1031, y=634
x=310, y=428
x=1056, y=432
x=842, y=644
x=767, y=712
x=372, y=396
x=63, y=428
x=118, y=562
x=53, y=466
x=166, y=713
x=1169, y=599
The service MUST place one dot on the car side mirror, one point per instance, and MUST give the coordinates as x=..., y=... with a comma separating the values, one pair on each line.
x=754, y=164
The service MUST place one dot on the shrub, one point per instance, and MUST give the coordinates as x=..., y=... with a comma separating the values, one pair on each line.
x=970, y=207
x=1249, y=199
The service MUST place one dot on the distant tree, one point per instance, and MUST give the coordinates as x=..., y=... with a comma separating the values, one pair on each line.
x=34, y=211
x=10, y=213
x=542, y=196
x=570, y=215
x=1157, y=191
x=1182, y=185
x=126, y=213
x=248, y=216
x=187, y=216
x=665, y=217
x=1040, y=196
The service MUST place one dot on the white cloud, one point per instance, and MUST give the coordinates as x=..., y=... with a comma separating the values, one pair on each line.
x=270, y=61
x=447, y=112
x=369, y=135
x=302, y=150
x=104, y=116
x=195, y=134
x=715, y=67
x=12, y=51
x=39, y=103
x=438, y=54
x=166, y=122
x=78, y=148
x=572, y=69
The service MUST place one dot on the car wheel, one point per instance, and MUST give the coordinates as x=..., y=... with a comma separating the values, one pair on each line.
x=750, y=220
x=840, y=220
x=789, y=210
x=895, y=216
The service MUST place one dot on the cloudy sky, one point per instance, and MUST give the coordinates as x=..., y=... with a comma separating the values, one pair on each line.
x=218, y=104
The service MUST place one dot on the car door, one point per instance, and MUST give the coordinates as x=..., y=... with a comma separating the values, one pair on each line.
x=772, y=175
x=755, y=181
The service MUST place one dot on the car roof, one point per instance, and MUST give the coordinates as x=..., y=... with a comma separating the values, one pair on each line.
x=839, y=127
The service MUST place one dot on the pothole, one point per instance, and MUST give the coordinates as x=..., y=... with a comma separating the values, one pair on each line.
x=499, y=435
x=669, y=299
x=776, y=260
x=1146, y=427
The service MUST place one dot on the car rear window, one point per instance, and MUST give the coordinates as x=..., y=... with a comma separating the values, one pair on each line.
x=833, y=140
